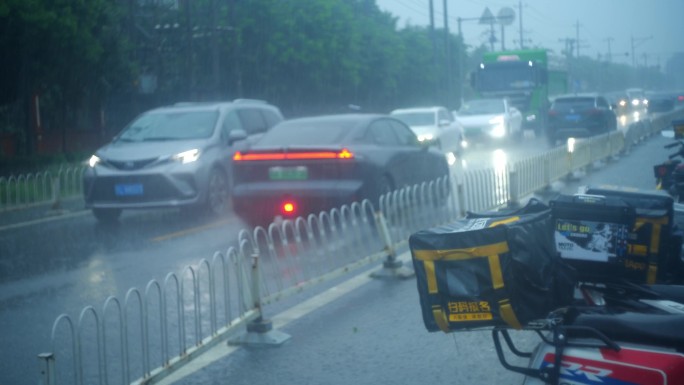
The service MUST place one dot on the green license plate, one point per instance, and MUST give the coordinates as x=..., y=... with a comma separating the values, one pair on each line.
x=288, y=173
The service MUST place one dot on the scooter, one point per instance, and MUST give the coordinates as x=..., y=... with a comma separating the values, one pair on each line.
x=670, y=174
x=617, y=334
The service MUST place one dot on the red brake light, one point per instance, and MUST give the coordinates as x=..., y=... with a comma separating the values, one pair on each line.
x=680, y=98
x=288, y=208
x=553, y=112
x=343, y=154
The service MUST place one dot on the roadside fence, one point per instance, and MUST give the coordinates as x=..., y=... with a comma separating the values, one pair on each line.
x=151, y=333
x=24, y=190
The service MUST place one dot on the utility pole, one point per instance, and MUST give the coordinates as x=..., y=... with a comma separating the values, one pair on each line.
x=610, y=54
x=577, y=27
x=447, y=52
x=635, y=41
x=434, y=45
x=520, y=20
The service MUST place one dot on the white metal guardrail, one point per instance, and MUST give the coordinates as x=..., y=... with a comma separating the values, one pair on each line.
x=151, y=333
x=20, y=191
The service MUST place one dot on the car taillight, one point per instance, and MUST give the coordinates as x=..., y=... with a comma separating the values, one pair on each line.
x=594, y=111
x=680, y=98
x=553, y=112
x=309, y=155
x=288, y=208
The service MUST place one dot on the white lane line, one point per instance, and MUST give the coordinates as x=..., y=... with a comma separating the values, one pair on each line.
x=279, y=321
x=50, y=218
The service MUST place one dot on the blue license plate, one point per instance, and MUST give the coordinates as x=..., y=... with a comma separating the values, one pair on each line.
x=128, y=189
x=573, y=117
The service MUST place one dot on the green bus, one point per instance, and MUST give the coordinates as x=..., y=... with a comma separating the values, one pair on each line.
x=528, y=78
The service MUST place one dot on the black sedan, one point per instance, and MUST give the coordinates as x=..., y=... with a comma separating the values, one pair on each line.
x=306, y=165
x=579, y=116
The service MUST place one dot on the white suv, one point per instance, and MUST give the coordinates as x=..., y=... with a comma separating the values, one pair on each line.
x=434, y=124
x=174, y=156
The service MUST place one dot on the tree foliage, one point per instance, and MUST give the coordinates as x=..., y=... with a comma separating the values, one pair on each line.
x=306, y=56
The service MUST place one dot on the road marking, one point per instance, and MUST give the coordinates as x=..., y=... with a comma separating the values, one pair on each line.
x=279, y=321
x=192, y=230
x=51, y=218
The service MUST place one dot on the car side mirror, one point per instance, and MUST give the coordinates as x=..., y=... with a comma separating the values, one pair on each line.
x=236, y=136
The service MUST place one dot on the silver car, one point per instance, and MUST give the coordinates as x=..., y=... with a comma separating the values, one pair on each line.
x=175, y=156
x=434, y=125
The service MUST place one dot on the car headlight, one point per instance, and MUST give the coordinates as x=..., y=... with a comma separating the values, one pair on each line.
x=497, y=129
x=531, y=118
x=93, y=161
x=425, y=137
x=187, y=156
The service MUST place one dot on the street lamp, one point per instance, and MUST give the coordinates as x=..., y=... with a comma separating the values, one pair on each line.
x=635, y=41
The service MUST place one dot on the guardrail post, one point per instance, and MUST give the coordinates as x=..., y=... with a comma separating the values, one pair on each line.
x=391, y=267
x=513, y=189
x=56, y=194
x=47, y=369
x=460, y=189
x=260, y=332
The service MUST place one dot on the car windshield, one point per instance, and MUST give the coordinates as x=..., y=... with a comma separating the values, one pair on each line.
x=176, y=125
x=416, y=118
x=482, y=107
x=308, y=133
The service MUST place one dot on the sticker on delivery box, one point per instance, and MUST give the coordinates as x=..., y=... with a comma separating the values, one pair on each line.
x=590, y=241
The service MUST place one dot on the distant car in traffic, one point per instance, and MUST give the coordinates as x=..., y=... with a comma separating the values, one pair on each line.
x=619, y=102
x=659, y=102
x=174, y=156
x=580, y=115
x=306, y=165
x=637, y=100
x=490, y=120
x=434, y=125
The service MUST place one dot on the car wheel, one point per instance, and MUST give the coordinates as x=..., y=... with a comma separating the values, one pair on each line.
x=217, y=192
x=107, y=215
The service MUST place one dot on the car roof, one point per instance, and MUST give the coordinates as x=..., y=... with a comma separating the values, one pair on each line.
x=579, y=95
x=213, y=105
x=417, y=109
x=361, y=117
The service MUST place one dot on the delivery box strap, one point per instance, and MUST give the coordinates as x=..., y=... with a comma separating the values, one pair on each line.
x=508, y=314
x=460, y=254
x=656, y=226
x=652, y=274
x=494, y=271
x=440, y=319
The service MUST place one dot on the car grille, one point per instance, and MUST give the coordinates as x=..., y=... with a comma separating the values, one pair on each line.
x=131, y=164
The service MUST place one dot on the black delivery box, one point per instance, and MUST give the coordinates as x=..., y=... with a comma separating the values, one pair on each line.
x=591, y=233
x=482, y=272
x=653, y=245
